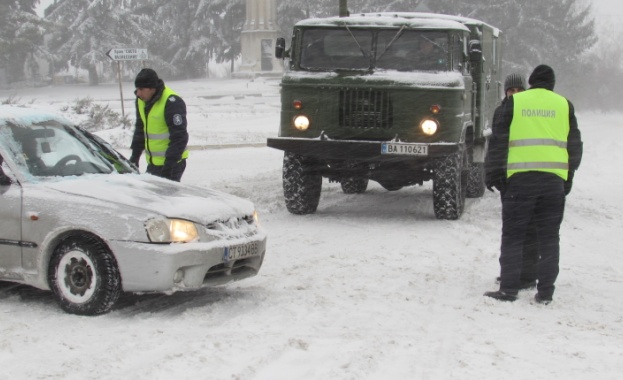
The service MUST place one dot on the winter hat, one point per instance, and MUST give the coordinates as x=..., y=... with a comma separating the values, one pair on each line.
x=543, y=77
x=147, y=78
x=514, y=81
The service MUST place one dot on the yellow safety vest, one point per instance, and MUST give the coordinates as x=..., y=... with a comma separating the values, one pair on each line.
x=156, y=129
x=538, y=133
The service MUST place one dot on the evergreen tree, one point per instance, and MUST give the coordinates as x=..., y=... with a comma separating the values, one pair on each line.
x=86, y=29
x=21, y=39
x=559, y=33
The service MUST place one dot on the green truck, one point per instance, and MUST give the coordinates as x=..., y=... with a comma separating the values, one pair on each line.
x=397, y=98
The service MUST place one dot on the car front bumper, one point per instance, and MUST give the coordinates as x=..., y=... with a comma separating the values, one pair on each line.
x=147, y=267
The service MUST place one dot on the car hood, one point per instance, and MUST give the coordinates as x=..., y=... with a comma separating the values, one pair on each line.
x=155, y=195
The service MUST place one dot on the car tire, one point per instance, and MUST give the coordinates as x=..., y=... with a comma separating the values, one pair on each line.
x=354, y=185
x=84, y=276
x=301, y=189
x=391, y=186
x=449, y=187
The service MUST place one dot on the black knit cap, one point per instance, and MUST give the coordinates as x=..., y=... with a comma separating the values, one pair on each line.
x=147, y=78
x=542, y=77
x=514, y=81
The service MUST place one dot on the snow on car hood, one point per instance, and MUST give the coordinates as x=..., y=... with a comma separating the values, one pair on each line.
x=156, y=195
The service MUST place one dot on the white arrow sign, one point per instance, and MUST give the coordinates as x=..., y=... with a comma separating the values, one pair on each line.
x=127, y=54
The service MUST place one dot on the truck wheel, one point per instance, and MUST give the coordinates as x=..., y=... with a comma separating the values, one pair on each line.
x=449, y=187
x=354, y=185
x=300, y=188
x=476, y=180
x=83, y=276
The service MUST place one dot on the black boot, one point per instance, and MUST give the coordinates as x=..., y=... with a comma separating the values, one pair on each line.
x=501, y=296
x=543, y=300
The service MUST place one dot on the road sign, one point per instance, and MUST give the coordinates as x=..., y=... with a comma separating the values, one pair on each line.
x=127, y=54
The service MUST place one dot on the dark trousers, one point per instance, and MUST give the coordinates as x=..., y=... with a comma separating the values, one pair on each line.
x=176, y=171
x=530, y=260
x=531, y=198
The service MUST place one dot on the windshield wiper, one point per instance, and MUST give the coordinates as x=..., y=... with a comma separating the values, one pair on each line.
x=357, y=42
x=398, y=34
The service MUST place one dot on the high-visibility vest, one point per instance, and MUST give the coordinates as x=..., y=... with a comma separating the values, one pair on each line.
x=156, y=129
x=538, y=133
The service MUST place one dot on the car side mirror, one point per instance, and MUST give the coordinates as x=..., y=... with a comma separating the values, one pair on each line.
x=280, y=48
x=475, y=51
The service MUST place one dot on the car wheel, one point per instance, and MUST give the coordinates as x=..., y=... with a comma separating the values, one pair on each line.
x=301, y=189
x=449, y=187
x=83, y=275
x=354, y=185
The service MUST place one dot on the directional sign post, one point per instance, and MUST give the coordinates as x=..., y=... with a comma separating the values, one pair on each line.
x=125, y=54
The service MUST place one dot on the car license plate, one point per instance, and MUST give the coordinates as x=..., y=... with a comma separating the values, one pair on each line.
x=405, y=149
x=242, y=251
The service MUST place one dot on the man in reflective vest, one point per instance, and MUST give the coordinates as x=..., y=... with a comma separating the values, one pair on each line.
x=513, y=84
x=160, y=127
x=534, y=152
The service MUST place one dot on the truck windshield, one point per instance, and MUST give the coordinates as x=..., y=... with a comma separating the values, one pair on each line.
x=353, y=49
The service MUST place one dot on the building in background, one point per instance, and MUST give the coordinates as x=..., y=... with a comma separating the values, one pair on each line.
x=258, y=39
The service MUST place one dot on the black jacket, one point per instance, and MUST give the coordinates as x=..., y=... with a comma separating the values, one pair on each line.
x=178, y=134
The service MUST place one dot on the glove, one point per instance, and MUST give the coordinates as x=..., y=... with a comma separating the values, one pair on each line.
x=495, y=182
x=135, y=158
x=569, y=182
x=166, y=171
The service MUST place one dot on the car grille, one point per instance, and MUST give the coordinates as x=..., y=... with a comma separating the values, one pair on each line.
x=365, y=108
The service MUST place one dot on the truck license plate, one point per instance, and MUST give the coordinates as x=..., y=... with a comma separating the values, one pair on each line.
x=405, y=149
x=242, y=251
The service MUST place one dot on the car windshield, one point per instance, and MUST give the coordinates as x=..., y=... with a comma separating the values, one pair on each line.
x=49, y=148
x=326, y=49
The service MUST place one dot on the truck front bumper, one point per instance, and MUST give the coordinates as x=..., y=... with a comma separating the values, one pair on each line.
x=328, y=149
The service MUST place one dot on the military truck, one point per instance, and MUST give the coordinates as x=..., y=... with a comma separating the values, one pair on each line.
x=397, y=98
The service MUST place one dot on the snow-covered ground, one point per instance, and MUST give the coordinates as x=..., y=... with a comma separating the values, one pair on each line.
x=372, y=286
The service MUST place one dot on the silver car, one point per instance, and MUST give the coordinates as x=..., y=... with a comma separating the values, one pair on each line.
x=77, y=218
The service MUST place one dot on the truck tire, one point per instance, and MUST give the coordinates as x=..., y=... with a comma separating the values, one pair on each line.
x=83, y=276
x=301, y=189
x=476, y=180
x=354, y=185
x=449, y=187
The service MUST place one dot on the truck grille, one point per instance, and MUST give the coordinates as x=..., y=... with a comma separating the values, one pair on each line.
x=364, y=108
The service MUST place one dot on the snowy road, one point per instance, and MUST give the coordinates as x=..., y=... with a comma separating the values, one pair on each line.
x=372, y=286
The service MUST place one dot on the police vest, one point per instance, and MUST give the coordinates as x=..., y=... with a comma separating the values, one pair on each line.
x=156, y=129
x=538, y=133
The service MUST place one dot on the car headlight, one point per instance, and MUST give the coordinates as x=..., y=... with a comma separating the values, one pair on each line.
x=429, y=126
x=301, y=122
x=171, y=231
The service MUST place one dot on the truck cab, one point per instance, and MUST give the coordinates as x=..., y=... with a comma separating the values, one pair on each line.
x=397, y=98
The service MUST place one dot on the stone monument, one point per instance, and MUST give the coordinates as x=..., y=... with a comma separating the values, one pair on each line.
x=258, y=39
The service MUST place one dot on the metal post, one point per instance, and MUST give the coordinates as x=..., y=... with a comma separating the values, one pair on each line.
x=344, y=8
x=120, y=89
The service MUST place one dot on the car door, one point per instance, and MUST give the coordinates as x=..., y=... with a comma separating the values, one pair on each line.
x=10, y=228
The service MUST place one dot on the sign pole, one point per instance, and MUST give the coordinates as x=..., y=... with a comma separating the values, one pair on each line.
x=120, y=89
x=126, y=54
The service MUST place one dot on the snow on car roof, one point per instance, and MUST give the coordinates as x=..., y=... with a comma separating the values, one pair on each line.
x=395, y=20
x=26, y=116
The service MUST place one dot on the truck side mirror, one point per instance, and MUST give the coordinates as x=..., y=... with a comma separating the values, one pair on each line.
x=475, y=51
x=280, y=48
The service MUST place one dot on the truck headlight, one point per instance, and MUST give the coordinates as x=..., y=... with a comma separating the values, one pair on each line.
x=171, y=231
x=301, y=122
x=429, y=126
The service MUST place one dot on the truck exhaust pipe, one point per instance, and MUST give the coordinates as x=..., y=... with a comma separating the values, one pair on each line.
x=344, y=8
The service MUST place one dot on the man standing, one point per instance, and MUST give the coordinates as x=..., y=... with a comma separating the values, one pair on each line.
x=160, y=127
x=533, y=156
x=515, y=83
